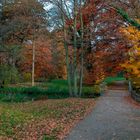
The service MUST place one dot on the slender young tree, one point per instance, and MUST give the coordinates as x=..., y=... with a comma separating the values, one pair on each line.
x=70, y=18
x=82, y=49
x=66, y=51
x=33, y=62
x=75, y=49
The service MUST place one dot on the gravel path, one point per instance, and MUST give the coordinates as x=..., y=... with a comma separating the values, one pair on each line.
x=113, y=118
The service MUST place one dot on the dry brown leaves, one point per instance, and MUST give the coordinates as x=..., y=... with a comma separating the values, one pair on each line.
x=132, y=102
x=58, y=122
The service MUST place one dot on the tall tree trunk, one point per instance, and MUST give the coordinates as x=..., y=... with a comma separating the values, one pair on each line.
x=75, y=49
x=33, y=50
x=66, y=53
x=33, y=63
x=82, y=50
x=68, y=70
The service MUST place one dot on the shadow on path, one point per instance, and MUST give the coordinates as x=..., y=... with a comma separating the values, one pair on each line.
x=113, y=118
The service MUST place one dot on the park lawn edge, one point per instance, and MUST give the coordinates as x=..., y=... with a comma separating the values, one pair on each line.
x=79, y=109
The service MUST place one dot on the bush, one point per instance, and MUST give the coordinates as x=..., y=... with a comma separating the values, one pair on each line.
x=20, y=94
x=10, y=90
x=9, y=74
x=91, y=92
x=97, y=90
x=41, y=80
x=32, y=93
x=57, y=92
x=60, y=82
x=27, y=77
x=56, y=89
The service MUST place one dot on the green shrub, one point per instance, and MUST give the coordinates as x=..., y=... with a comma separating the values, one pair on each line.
x=32, y=90
x=13, y=95
x=19, y=94
x=27, y=77
x=91, y=92
x=96, y=88
x=87, y=93
x=60, y=82
x=41, y=79
x=32, y=93
x=56, y=89
x=9, y=74
x=10, y=90
x=35, y=93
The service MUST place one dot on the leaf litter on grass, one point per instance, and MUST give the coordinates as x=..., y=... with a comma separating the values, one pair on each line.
x=49, y=119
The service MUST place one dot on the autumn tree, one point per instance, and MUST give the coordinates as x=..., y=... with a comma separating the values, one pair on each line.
x=132, y=64
x=19, y=26
x=68, y=21
x=85, y=27
x=104, y=41
x=128, y=10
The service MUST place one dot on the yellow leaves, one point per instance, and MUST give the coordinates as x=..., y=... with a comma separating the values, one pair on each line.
x=138, y=49
x=132, y=66
x=131, y=33
x=131, y=30
x=138, y=20
x=135, y=70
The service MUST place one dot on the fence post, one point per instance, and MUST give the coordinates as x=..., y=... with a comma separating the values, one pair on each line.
x=130, y=86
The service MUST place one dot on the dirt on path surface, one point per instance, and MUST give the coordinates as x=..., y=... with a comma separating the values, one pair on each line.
x=115, y=117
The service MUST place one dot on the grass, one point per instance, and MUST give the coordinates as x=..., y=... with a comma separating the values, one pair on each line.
x=46, y=137
x=9, y=119
x=46, y=120
x=110, y=80
x=54, y=89
x=18, y=94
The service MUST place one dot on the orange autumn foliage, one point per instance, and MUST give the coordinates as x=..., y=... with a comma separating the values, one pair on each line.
x=132, y=65
x=43, y=56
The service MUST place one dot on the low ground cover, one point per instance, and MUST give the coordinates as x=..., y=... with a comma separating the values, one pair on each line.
x=55, y=89
x=43, y=120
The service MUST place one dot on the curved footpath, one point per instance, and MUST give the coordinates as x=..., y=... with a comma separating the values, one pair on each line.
x=113, y=118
